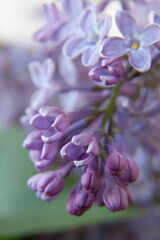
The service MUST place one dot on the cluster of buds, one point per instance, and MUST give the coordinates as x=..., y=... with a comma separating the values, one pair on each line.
x=100, y=109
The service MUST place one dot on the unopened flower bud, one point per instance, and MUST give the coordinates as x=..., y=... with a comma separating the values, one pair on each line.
x=116, y=164
x=83, y=200
x=90, y=181
x=131, y=173
x=115, y=199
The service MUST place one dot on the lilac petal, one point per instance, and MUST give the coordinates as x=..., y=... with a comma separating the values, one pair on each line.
x=74, y=47
x=90, y=56
x=51, y=136
x=35, y=70
x=126, y=24
x=40, y=122
x=52, y=22
x=45, y=179
x=61, y=123
x=84, y=162
x=49, y=69
x=114, y=47
x=41, y=74
x=71, y=152
x=33, y=140
x=51, y=12
x=50, y=111
x=33, y=181
x=63, y=30
x=35, y=155
x=55, y=186
x=81, y=139
x=88, y=22
x=104, y=25
x=43, y=165
x=49, y=151
x=150, y=35
x=140, y=59
x=73, y=8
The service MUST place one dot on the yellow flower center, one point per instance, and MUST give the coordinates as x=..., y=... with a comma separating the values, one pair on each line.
x=135, y=46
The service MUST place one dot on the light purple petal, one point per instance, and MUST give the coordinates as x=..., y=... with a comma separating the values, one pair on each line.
x=88, y=22
x=140, y=59
x=51, y=12
x=114, y=47
x=74, y=47
x=104, y=25
x=126, y=24
x=49, y=69
x=150, y=35
x=90, y=56
x=41, y=74
x=73, y=7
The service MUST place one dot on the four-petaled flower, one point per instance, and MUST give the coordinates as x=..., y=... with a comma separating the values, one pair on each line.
x=134, y=43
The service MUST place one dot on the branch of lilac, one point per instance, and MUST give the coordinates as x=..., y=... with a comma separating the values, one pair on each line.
x=97, y=103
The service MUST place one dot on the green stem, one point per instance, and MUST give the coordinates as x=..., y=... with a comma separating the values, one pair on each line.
x=110, y=109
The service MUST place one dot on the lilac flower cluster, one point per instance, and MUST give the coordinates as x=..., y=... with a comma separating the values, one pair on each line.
x=94, y=107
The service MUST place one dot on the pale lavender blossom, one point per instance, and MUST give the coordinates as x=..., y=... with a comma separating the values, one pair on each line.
x=54, y=23
x=89, y=38
x=42, y=76
x=134, y=42
x=155, y=18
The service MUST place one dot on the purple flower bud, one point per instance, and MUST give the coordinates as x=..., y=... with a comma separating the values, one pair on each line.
x=131, y=173
x=115, y=199
x=71, y=209
x=109, y=73
x=45, y=157
x=47, y=185
x=83, y=200
x=52, y=120
x=116, y=164
x=82, y=149
x=32, y=182
x=33, y=140
x=51, y=184
x=90, y=181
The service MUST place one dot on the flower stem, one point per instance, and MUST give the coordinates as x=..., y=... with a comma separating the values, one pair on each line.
x=110, y=109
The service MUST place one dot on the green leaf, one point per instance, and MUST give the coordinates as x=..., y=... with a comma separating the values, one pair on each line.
x=21, y=213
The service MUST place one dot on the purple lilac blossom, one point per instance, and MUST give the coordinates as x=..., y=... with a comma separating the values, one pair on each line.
x=110, y=72
x=134, y=43
x=100, y=136
x=82, y=149
x=52, y=121
x=91, y=34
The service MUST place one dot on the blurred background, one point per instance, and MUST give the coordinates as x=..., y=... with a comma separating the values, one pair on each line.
x=22, y=215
